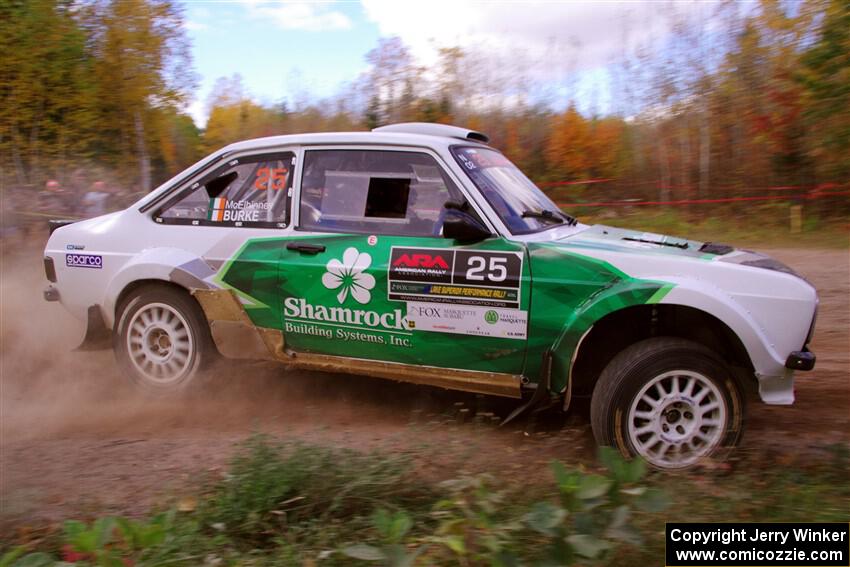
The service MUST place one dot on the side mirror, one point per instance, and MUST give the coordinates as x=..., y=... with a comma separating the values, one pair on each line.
x=463, y=227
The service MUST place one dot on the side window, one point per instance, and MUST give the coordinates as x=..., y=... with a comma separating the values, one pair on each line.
x=250, y=191
x=374, y=192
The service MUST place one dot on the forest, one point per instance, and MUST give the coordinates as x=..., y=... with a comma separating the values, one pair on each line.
x=732, y=103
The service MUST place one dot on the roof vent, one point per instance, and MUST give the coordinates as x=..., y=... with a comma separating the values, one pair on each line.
x=431, y=129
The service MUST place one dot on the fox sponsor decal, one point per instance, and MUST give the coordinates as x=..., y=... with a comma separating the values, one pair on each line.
x=84, y=261
x=468, y=320
x=479, y=277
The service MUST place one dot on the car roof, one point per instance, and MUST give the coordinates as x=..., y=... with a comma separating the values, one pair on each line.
x=406, y=134
x=422, y=134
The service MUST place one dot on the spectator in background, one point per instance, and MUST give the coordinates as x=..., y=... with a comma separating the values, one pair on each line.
x=55, y=199
x=96, y=201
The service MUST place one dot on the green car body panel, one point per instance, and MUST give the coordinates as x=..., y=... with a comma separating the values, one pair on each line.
x=562, y=291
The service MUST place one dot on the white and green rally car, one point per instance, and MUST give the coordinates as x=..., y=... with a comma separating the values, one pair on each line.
x=417, y=252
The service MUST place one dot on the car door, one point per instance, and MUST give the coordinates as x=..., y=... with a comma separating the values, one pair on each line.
x=371, y=276
x=232, y=218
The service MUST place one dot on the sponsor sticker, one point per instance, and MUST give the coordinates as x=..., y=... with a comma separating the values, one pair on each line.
x=352, y=285
x=84, y=261
x=440, y=275
x=222, y=210
x=467, y=320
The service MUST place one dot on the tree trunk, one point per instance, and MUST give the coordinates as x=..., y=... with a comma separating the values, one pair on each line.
x=664, y=166
x=33, y=152
x=144, y=158
x=685, y=158
x=704, y=153
x=20, y=171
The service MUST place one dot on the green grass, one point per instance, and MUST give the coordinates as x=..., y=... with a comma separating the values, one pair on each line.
x=298, y=504
x=761, y=489
x=739, y=225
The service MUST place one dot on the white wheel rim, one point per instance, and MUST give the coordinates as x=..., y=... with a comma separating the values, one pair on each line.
x=677, y=418
x=160, y=344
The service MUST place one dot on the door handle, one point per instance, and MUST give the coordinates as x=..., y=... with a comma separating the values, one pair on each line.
x=306, y=247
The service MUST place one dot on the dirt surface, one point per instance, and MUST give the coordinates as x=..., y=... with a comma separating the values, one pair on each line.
x=75, y=441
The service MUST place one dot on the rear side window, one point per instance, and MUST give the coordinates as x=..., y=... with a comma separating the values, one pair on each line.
x=250, y=191
x=374, y=192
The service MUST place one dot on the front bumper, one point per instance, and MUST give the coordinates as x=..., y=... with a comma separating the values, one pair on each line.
x=779, y=389
x=801, y=360
x=51, y=293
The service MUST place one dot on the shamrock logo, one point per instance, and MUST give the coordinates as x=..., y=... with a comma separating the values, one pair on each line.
x=350, y=275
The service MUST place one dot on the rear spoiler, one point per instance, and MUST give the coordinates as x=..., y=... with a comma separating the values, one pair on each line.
x=53, y=224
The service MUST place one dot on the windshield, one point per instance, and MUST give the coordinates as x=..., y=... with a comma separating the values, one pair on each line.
x=519, y=203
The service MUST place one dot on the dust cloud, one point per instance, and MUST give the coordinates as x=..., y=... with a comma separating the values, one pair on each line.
x=74, y=435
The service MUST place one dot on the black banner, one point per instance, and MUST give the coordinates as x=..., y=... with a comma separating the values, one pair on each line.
x=758, y=545
x=442, y=275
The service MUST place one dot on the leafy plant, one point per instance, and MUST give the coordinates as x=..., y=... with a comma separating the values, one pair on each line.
x=392, y=528
x=470, y=528
x=273, y=488
x=19, y=557
x=594, y=511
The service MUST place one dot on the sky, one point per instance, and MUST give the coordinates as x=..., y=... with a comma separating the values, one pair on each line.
x=300, y=50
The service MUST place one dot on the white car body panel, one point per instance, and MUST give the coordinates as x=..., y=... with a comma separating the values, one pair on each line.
x=768, y=310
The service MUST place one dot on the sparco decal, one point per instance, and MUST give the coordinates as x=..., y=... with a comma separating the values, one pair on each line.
x=84, y=261
x=470, y=277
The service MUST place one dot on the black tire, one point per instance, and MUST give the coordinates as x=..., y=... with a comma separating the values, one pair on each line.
x=138, y=344
x=675, y=430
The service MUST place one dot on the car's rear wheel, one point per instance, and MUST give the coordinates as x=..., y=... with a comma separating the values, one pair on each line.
x=162, y=340
x=670, y=401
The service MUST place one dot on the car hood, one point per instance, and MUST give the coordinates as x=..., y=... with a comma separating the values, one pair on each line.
x=618, y=240
x=601, y=237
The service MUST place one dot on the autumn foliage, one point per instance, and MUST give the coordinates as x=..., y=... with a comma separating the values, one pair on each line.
x=734, y=100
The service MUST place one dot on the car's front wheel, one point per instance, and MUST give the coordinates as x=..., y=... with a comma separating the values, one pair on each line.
x=162, y=339
x=670, y=401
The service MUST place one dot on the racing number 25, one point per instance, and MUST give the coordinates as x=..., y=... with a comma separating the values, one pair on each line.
x=483, y=267
x=477, y=269
x=277, y=176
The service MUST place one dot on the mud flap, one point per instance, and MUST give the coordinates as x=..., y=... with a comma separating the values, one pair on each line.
x=233, y=333
x=53, y=224
x=540, y=394
x=97, y=337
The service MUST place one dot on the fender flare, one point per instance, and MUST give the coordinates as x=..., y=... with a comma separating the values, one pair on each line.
x=619, y=295
x=713, y=300
x=172, y=265
x=665, y=290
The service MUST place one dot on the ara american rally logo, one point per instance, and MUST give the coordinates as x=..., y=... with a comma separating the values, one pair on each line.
x=421, y=264
x=421, y=261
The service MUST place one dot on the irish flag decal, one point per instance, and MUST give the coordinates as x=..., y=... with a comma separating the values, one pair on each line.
x=216, y=211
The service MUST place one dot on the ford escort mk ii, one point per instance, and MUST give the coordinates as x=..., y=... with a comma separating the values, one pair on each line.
x=417, y=252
